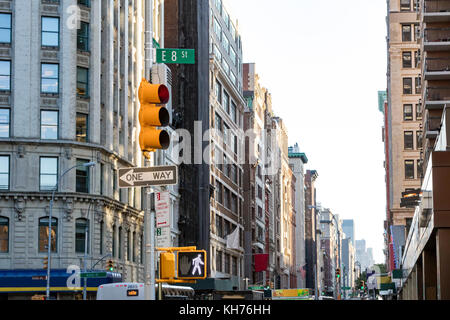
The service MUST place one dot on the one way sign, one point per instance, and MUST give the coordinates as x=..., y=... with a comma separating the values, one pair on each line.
x=151, y=176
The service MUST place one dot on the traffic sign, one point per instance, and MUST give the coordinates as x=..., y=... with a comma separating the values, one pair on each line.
x=148, y=176
x=191, y=264
x=92, y=274
x=162, y=209
x=163, y=237
x=182, y=56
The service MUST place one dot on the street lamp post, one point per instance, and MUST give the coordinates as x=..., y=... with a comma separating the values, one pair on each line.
x=49, y=246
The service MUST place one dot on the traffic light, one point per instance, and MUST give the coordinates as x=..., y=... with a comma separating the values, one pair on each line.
x=338, y=273
x=167, y=265
x=362, y=285
x=410, y=198
x=191, y=264
x=110, y=265
x=45, y=262
x=153, y=114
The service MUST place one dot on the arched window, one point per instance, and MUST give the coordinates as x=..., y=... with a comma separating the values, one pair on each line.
x=43, y=234
x=120, y=243
x=134, y=246
x=129, y=245
x=102, y=230
x=81, y=227
x=114, y=241
x=4, y=234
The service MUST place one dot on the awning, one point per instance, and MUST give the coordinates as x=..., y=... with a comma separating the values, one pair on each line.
x=30, y=280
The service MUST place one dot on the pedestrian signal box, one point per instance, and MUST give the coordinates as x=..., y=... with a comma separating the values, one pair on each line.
x=191, y=265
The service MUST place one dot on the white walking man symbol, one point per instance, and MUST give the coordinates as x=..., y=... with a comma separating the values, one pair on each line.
x=197, y=262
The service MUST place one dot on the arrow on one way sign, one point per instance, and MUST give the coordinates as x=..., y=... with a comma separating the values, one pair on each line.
x=151, y=176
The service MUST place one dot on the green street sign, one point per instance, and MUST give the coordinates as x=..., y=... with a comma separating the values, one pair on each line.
x=92, y=274
x=182, y=56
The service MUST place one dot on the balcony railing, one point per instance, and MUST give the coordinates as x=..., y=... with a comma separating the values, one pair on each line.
x=437, y=64
x=437, y=35
x=433, y=6
x=432, y=127
x=438, y=94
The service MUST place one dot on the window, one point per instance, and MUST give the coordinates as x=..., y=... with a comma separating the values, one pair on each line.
x=86, y=3
x=407, y=85
x=128, y=245
x=49, y=124
x=409, y=169
x=416, y=58
x=218, y=124
x=406, y=32
x=81, y=228
x=82, y=127
x=406, y=58
x=114, y=241
x=419, y=111
x=4, y=123
x=407, y=112
x=233, y=113
x=120, y=243
x=408, y=140
x=405, y=5
x=4, y=172
x=419, y=139
x=48, y=173
x=227, y=198
x=418, y=85
x=43, y=234
x=82, y=176
x=219, y=261
x=102, y=234
x=4, y=234
x=218, y=92
x=233, y=55
x=419, y=168
x=217, y=29
x=5, y=28
x=225, y=43
x=218, y=192
x=134, y=247
x=82, y=82
x=5, y=75
x=226, y=102
x=50, y=31
x=416, y=32
x=83, y=36
x=49, y=78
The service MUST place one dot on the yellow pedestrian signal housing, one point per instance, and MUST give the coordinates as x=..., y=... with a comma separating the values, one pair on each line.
x=191, y=265
x=167, y=265
x=153, y=114
x=110, y=265
x=45, y=262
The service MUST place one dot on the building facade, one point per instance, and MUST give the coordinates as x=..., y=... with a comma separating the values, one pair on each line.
x=426, y=253
x=297, y=161
x=404, y=117
x=69, y=98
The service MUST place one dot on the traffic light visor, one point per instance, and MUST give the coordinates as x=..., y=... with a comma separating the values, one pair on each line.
x=153, y=93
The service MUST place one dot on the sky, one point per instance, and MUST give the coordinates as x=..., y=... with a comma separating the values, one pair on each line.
x=324, y=62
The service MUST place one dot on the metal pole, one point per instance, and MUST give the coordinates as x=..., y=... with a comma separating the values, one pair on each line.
x=149, y=227
x=148, y=38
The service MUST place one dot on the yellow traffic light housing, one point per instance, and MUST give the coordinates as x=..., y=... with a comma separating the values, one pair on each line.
x=167, y=265
x=45, y=262
x=153, y=114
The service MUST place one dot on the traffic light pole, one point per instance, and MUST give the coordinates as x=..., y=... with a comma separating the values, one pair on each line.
x=149, y=216
x=149, y=227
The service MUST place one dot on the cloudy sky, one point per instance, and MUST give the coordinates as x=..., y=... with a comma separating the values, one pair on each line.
x=324, y=62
